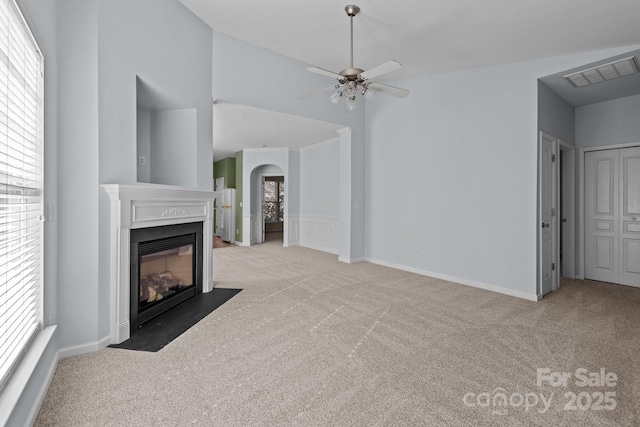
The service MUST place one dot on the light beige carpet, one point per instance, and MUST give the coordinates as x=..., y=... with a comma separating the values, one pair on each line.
x=311, y=341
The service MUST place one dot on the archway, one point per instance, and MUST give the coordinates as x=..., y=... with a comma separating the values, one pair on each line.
x=268, y=205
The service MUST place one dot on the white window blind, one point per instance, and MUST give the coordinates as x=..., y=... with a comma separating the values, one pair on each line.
x=21, y=102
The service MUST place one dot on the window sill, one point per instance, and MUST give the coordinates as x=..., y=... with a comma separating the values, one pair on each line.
x=20, y=399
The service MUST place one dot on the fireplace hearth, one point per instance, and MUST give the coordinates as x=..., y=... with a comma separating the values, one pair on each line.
x=166, y=269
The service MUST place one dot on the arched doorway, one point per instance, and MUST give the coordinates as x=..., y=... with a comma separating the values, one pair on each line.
x=268, y=204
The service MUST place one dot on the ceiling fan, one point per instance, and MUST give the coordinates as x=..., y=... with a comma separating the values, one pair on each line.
x=351, y=80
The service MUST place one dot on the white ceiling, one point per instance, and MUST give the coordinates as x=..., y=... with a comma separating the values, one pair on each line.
x=237, y=127
x=426, y=36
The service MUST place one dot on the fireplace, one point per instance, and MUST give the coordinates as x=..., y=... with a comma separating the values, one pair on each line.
x=138, y=207
x=166, y=269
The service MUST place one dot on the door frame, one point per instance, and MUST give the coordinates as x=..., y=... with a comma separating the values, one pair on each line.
x=568, y=201
x=581, y=196
x=539, y=215
x=262, y=227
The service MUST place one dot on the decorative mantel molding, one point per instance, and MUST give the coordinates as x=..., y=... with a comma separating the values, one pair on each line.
x=150, y=205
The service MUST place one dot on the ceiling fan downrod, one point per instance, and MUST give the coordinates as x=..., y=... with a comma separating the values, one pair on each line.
x=352, y=10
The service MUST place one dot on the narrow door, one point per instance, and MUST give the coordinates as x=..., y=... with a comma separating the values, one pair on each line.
x=601, y=215
x=630, y=217
x=546, y=231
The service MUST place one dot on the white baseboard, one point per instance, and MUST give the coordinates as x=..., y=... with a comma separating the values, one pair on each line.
x=351, y=260
x=462, y=281
x=321, y=248
x=77, y=350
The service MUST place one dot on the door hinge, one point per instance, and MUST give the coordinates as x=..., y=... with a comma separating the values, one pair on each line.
x=553, y=211
x=553, y=266
x=553, y=157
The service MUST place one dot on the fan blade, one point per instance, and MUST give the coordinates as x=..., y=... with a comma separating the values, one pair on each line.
x=325, y=73
x=387, y=67
x=395, y=91
x=315, y=92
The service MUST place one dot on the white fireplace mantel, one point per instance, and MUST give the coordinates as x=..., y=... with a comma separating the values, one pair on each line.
x=150, y=205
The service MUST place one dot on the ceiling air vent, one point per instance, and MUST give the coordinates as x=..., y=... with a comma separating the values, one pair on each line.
x=610, y=71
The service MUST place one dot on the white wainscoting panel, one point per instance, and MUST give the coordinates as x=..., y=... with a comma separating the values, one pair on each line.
x=321, y=233
x=292, y=230
x=256, y=229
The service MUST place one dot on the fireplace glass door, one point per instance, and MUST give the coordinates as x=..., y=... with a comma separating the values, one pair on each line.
x=164, y=274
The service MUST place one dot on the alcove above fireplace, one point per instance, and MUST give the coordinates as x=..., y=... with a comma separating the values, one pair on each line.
x=138, y=207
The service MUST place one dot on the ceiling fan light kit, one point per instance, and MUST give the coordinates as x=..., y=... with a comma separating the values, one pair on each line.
x=353, y=80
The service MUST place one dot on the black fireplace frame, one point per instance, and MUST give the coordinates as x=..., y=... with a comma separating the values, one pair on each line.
x=145, y=241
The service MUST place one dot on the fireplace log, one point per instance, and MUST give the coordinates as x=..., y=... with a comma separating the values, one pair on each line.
x=156, y=286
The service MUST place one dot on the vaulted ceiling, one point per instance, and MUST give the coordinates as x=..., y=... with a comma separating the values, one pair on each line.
x=426, y=36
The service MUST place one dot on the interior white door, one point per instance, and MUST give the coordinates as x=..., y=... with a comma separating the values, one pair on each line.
x=630, y=217
x=547, y=177
x=601, y=210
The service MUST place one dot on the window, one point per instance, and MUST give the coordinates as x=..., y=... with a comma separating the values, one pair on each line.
x=273, y=199
x=21, y=103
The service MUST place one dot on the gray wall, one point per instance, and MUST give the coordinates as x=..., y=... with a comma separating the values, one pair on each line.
x=173, y=147
x=144, y=144
x=556, y=116
x=294, y=182
x=320, y=179
x=608, y=123
x=78, y=168
x=451, y=172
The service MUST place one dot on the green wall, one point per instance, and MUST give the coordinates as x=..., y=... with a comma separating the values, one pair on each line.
x=226, y=168
x=238, y=183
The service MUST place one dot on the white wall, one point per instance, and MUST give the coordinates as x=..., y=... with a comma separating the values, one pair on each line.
x=320, y=179
x=173, y=147
x=608, y=123
x=144, y=144
x=556, y=116
x=452, y=177
x=78, y=168
x=320, y=196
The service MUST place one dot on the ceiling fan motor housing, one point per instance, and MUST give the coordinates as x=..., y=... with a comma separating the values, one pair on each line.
x=352, y=73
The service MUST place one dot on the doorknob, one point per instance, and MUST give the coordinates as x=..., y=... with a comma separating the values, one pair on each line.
x=545, y=225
